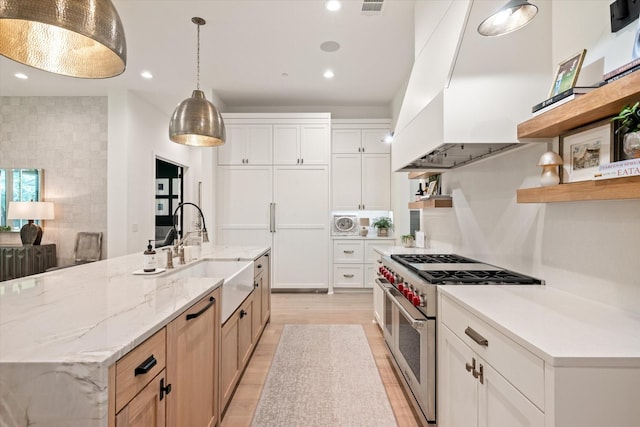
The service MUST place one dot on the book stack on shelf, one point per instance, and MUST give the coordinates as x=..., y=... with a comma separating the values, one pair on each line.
x=621, y=71
x=619, y=169
x=561, y=98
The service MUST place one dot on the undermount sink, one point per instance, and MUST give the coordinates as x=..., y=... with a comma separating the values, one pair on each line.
x=237, y=275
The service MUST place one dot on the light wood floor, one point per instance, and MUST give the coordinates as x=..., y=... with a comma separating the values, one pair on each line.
x=353, y=308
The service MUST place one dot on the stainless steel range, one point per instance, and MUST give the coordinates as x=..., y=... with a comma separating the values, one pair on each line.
x=409, y=317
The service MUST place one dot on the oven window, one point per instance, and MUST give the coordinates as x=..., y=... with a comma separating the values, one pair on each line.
x=409, y=343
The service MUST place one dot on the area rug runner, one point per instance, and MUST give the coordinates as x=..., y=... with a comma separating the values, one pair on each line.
x=323, y=375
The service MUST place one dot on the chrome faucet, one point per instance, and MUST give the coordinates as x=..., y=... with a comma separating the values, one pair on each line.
x=205, y=235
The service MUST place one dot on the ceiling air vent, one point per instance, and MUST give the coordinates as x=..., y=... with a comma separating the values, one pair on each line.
x=372, y=7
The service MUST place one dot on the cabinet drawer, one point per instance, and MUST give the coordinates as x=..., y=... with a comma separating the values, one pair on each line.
x=348, y=251
x=347, y=276
x=260, y=265
x=516, y=364
x=138, y=367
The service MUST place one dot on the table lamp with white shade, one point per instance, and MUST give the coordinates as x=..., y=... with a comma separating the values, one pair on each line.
x=30, y=233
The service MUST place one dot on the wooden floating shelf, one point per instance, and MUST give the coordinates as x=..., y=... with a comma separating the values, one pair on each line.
x=604, y=189
x=422, y=175
x=606, y=101
x=431, y=203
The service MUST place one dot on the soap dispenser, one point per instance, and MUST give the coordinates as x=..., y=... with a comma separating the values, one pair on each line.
x=149, y=261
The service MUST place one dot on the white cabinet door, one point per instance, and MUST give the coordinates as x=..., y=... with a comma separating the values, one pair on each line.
x=346, y=184
x=314, y=144
x=370, y=255
x=286, y=143
x=345, y=141
x=233, y=150
x=301, y=240
x=246, y=145
x=242, y=205
x=378, y=304
x=258, y=143
x=501, y=404
x=372, y=141
x=457, y=388
x=376, y=182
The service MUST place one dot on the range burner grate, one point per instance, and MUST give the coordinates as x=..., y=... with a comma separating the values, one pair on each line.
x=432, y=259
x=478, y=277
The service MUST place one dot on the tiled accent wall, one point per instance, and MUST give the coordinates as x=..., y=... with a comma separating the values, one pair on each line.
x=67, y=138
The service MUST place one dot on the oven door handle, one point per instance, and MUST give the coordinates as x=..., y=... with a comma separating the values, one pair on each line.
x=416, y=323
x=382, y=283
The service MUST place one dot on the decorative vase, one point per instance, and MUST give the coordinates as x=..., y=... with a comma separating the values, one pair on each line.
x=631, y=145
x=408, y=242
x=549, y=176
x=383, y=232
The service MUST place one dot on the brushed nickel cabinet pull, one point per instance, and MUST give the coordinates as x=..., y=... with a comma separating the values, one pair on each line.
x=471, y=366
x=348, y=252
x=348, y=276
x=479, y=339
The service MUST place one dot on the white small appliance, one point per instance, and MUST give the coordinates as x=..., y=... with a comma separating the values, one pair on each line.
x=345, y=225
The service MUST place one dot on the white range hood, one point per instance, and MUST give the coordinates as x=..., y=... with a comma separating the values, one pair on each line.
x=490, y=85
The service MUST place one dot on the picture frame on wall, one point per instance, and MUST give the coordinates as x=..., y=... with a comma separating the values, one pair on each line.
x=567, y=73
x=162, y=186
x=584, y=149
x=162, y=207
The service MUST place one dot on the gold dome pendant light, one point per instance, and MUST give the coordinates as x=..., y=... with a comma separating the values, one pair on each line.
x=195, y=120
x=77, y=38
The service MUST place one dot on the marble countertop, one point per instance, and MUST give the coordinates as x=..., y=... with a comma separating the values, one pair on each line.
x=61, y=330
x=561, y=328
x=97, y=312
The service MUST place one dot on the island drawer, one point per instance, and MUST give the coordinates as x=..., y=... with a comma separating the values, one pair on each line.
x=517, y=365
x=260, y=265
x=138, y=367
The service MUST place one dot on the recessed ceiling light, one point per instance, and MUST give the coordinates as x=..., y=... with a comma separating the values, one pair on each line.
x=329, y=46
x=146, y=75
x=21, y=76
x=328, y=74
x=332, y=5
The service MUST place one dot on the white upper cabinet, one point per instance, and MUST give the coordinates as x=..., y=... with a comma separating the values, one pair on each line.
x=246, y=144
x=301, y=144
x=364, y=140
x=361, y=165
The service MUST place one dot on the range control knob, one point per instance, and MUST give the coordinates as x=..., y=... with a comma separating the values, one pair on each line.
x=410, y=295
x=400, y=287
x=416, y=300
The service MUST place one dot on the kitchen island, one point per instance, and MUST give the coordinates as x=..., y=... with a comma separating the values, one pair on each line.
x=62, y=331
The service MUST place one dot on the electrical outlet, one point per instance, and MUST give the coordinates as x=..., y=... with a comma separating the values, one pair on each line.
x=623, y=12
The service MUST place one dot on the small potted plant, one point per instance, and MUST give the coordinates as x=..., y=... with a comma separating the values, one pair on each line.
x=629, y=118
x=383, y=224
x=407, y=240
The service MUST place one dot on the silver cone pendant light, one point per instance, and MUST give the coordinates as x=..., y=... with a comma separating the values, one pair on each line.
x=510, y=17
x=196, y=121
x=77, y=38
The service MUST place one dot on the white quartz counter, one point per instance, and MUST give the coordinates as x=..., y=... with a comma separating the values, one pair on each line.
x=395, y=250
x=559, y=327
x=60, y=331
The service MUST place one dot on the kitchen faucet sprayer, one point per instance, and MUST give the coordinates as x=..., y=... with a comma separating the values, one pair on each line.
x=205, y=235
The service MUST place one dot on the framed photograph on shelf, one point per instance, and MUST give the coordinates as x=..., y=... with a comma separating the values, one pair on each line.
x=162, y=207
x=162, y=186
x=583, y=150
x=567, y=73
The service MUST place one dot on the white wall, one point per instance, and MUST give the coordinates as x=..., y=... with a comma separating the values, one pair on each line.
x=588, y=248
x=138, y=133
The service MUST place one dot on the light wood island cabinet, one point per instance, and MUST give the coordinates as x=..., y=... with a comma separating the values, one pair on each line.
x=171, y=378
x=192, y=364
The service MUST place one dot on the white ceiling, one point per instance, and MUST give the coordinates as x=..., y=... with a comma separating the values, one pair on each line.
x=246, y=46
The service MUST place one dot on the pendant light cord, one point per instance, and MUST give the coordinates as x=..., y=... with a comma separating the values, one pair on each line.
x=198, y=61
